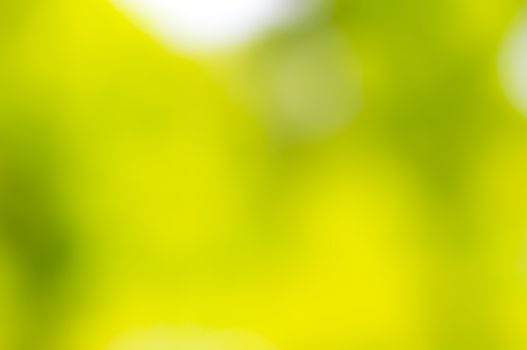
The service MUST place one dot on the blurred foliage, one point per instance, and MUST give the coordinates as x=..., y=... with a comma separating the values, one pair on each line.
x=355, y=181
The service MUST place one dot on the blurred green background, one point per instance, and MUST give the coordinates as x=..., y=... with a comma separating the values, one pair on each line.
x=355, y=178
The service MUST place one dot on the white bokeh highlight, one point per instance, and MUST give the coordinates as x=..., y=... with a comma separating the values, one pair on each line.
x=513, y=64
x=189, y=338
x=211, y=25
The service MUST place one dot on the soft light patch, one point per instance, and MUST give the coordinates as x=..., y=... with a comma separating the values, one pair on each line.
x=513, y=64
x=314, y=87
x=210, y=25
x=191, y=338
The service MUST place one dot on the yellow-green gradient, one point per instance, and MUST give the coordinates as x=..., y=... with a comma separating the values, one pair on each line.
x=354, y=178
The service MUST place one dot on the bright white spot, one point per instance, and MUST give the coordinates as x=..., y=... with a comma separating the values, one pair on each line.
x=190, y=338
x=513, y=64
x=205, y=25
